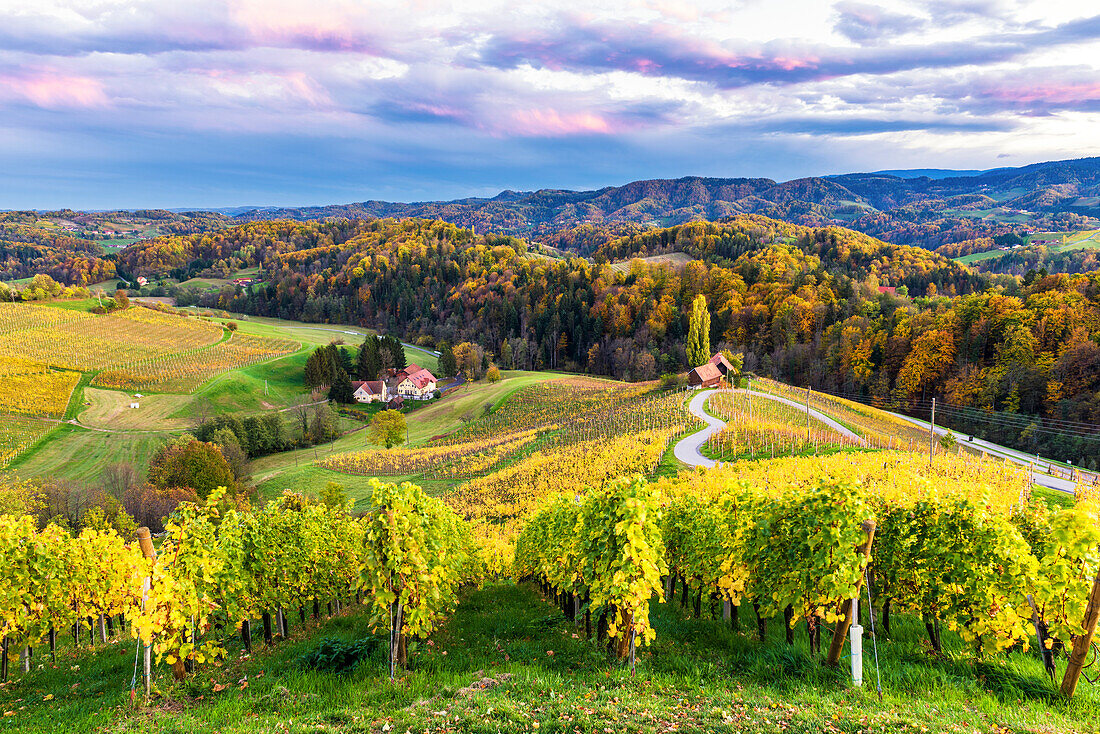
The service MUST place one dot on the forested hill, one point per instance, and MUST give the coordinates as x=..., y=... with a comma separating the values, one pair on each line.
x=923, y=211
x=77, y=248
x=803, y=304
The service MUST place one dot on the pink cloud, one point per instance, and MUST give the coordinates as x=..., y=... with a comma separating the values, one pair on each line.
x=314, y=26
x=1052, y=93
x=537, y=122
x=53, y=90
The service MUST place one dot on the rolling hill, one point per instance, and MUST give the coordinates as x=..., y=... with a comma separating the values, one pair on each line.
x=924, y=210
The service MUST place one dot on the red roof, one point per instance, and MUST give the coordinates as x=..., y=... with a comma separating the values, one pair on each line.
x=371, y=387
x=719, y=360
x=421, y=378
x=704, y=374
x=401, y=374
x=892, y=290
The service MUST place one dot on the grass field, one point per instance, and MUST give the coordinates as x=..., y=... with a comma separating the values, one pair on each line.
x=216, y=283
x=71, y=452
x=537, y=672
x=979, y=256
x=74, y=304
x=671, y=258
x=111, y=409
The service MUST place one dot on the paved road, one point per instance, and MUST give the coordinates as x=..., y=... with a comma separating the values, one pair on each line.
x=1016, y=457
x=687, y=449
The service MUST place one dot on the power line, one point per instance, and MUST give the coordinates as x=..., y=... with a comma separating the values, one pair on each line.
x=1036, y=424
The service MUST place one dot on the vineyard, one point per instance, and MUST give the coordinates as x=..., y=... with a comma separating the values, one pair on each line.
x=504, y=496
x=568, y=435
x=21, y=317
x=449, y=460
x=952, y=556
x=960, y=547
x=878, y=428
x=218, y=569
x=757, y=427
x=44, y=350
x=83, y=342
x=44, y=393
x=186, y=371
x=18, y=433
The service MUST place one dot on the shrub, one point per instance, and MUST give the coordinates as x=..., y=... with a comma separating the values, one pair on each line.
x=338, y=656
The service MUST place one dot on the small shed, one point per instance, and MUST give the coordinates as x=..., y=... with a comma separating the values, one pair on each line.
x=705, y=375
x=135, y=404
x=719, y=360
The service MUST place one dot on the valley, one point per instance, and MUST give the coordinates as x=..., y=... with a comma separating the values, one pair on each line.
x=391, y=461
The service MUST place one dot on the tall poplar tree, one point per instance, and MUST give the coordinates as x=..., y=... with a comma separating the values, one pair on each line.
x=698, y=341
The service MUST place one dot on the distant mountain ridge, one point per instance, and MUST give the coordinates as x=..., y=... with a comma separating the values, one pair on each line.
x=934, y=173
x=926, y=210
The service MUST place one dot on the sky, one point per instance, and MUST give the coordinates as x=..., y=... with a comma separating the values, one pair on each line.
x=204, y=103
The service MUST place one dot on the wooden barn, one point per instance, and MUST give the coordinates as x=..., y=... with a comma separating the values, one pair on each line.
x=705, y=375
x=719, y=360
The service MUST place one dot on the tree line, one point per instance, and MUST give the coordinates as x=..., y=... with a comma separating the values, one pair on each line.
x=824, y=307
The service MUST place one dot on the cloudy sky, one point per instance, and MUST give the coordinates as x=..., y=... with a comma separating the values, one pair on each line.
x=235, y=102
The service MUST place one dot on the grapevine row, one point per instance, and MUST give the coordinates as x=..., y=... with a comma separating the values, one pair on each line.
x=218, y=568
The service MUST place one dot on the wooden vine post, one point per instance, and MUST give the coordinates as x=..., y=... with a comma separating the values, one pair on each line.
x=836, y=647
x=1082, y=643
x=145, y=542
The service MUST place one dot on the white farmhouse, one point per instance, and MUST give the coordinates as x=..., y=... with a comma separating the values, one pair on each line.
x=369, y=391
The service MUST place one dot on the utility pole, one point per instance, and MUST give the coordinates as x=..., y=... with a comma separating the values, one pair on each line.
x=807, y=414
x=932, y=432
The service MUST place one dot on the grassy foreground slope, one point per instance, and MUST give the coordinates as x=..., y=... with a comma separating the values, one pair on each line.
x=507, y=661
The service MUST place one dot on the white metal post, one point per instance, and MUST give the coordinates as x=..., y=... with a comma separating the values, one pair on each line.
x=855, y=634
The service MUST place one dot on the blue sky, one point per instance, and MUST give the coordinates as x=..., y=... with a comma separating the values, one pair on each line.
x=143, y=103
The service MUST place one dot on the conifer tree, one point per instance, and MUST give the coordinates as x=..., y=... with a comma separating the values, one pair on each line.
x=447, y=364
x=370, y=361
x=316, y=371
x=341, y=390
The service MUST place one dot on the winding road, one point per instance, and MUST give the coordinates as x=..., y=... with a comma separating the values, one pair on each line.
x=687, y=449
